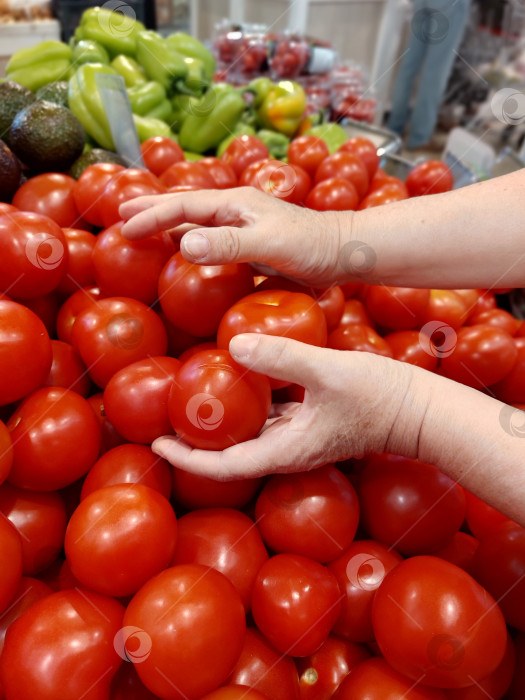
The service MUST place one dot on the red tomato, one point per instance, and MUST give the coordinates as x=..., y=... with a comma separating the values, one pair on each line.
x=79, y=271
x=307, y=151
x=25, y=352
x=46, y=308
x=321, y=673
x=511, y=388
x=67, y=369
x=222, y=172
x=50, y=194
x=408, y=504
x=347, y=166
x=333, y=194
x=406, y=347
x=196, y=297
x=109, y=436
x=89, y=187
x=214, y=402
x=226, y=540
x=460, y=551
x=190, y=352
x=114, y=333
x=10, y=561
x=381, y=178
x=235, y=692
x=483, y=355
x=482, y=519
x=128, y=464
x=496, y=318
x=188, y=173
x=6, y=452
x=356, y=336
x=477, y=300
x=141, y=544
x=70, y=309
x=383, y=195
x=354, y=311
x=189, y=617
x=250, y=172
x=6, y=208
x=261, y=667
x=123, y=186
x=360, y=570
x=446, y=306
x=126, y=685
x=33, y=255
x=366, y=150
x=159, y=152
x=77, y=659
x=430, y=177
x=433, y=622
x=195, y=491
x=244, y=150
x=295, y=603
x=312, y=513
x=44, y=459
x=282, y=180
x=397, y=308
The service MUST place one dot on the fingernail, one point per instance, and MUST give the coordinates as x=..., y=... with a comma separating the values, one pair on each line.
x=243, y=345
x=196, y=245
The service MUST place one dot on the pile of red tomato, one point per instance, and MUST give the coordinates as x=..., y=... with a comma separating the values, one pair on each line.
x=122, y=577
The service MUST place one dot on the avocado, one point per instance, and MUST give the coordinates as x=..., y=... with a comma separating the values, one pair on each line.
x=56, y=92
x=13, y=98
x=46, y=137
x=10, y=171
x=95, y=155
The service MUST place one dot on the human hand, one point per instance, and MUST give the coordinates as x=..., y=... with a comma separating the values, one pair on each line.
x=243, y=225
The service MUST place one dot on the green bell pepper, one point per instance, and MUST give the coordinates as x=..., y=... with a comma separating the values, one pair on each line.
x=213, y=118
x=148, y=127
x=36, y=66
x=331, y=133
x=193, y=157
x=259, y=88
x=275, y=142
x=114, y=30
x=161, y=63
x=143, y=98
x=282, y=107
x=161, y=111
x=88, y=51
x=240, y=129
x=181, y=106
x=85, y=101
x=189, y=46
x=129, y=69
x=196, y=82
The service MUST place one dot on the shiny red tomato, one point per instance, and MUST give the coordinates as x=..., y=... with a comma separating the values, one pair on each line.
x=356, y=336
x=312, y=513
x=496, y=318
x=6, y=208
x=6, y=452
x=406, y=347
x=196, y=297
x=250, y=172
x=79, y=271
x=307, y=151
x=33, y=255
x=109, y=436
x=73, y=305
x=159, y=152
x=67, y=369
x=77, y=659
x=50, y=194
x=477, y=300
x=44, y=459
x=282, y=180
x=115, y=332
x=244, y=150
x=190, y=352
x=195, y=491
x=128, y=464
x=511, y=388
x=383, y=195
x=433, y=622
x=408, y=504
x=296, y=602
x=354, y=311
x=123, y=186
x=235, y=692
x=347, y=166
x=221, y=171
x=11, y=561
x=89, y=188
x=482, y=519
x=188, y=173
x=366, y=150
x=460, y=551
x=188, y=617
x=446, y=306
x=381, y=178
x=397, y=308
x=430, y=177
x=25, y=352
x=215, y=403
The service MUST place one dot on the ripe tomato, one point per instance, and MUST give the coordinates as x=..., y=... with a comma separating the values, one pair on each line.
x=226, y=540
x=354, y=311
x=433, y=622
x=126, y=685
x=79, y=272
x=195, y=491
x=89, y=187
x=221, y=171
x=10, y=560
x=44, y=459
x=356, y=336
x=408, y=504
x=430, y=177
x=249, y=173
x=511, y=388
x=295, y=603
x=282, y=180
x=214, y=402
x=33, y=255
x=25, y=352
x=460, y=551
x=109, y=436
x=307, y=151
x=482, y=519
x=124, y=185
x=6, y=208
x=261, y=667
x=136, y=398
x=359, y=571
x=496, y=318
x=46, y=308
x=383, y=195
x=73, y=305
x=188, y=173
x=40, y=518
x=312, y=513
x=6, y=452
x=159, y=152
x=143, y=534
x=77, y=659
x=50, y=194
x=477, y=300
x=114, y=333
x=396, y=308
x=244, y=150
x=188, y=617
x=406, y=347
x=347, y=166
x=446, y=306
x=195, y=297
x=128, y=464
x=67, y=369
x=365, y=150
x=235, y=692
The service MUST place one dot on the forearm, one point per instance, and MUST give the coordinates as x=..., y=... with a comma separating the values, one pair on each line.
x=468, y=238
